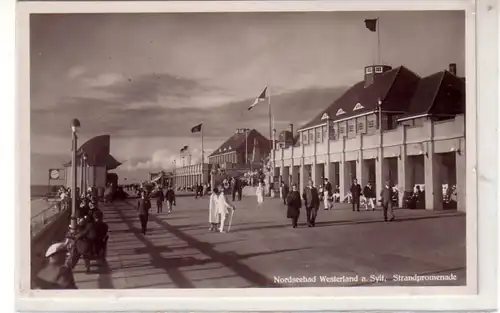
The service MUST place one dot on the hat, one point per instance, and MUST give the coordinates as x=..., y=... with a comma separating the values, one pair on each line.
x=55, y=248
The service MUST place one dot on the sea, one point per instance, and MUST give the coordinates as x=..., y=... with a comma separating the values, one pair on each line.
x=39, y=202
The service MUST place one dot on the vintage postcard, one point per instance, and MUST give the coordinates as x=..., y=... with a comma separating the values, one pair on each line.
x=314, y=149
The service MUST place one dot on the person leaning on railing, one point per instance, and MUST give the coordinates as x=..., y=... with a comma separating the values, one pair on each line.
x=56, y=275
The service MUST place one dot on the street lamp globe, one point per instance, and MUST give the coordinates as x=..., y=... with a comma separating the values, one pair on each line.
x=75, y=125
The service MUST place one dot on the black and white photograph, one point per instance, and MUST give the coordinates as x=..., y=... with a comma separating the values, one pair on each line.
x=247, y=149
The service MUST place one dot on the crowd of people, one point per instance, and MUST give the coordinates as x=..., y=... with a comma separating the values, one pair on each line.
x=312, y=197
x=87, y=241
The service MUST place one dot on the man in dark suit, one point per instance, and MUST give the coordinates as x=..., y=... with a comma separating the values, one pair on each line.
x=143, y=207
x=356, y=194
x=311, y=201
x=159, y=201
x=234, y=187
x=386, y=195
x=170, y=195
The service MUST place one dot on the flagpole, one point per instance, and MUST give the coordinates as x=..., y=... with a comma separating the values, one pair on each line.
x=270, y=119
x=202, y=151
x=378, y=40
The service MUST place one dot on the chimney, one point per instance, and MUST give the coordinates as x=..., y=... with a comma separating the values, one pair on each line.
x=291, y=129
x=453, y=68
x=373, y=71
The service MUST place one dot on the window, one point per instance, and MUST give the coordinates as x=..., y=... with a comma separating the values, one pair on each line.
x=304, y=139
x=311, y=136
x=361, y=127
x=333, y=132
x=350, y=128
x=368, y=70
x=318, y=135
x=325, y=132
x=378, y=69
x=371, y=124
x=341, y=130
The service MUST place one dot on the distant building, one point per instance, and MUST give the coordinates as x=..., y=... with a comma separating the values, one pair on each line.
x=162, y=178
x=94, y=162
x=420, y=138
x=229, y=156
x=243, y=147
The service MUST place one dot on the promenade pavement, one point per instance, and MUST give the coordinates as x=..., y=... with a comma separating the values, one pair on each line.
x=262, y=247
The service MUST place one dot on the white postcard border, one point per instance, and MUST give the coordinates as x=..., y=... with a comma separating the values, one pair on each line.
x=481, y=60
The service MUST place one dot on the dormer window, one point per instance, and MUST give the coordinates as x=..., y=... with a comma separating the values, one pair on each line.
x=369, y=70
x=378, y=69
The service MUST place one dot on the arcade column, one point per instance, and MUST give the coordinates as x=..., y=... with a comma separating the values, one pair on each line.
x=316, y=174
x=294, y=179
x=461, y=170
x=433, y=188
x=404, y=174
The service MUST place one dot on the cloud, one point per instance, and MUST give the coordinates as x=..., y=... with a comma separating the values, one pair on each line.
x=103, y=80
x=76, y=71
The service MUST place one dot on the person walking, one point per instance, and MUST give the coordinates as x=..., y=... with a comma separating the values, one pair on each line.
x=259, y=192
x=170, y=197
x=294, y=203
x=159, y=201
x=355, y=194
x=327, y=194
x=222, y=209
x=369, y=195
x=240, y=188
x=143, y=206
x=56, y=274
x=213, y=212
x=311, y=202
x=234, y=187
x=386, y=195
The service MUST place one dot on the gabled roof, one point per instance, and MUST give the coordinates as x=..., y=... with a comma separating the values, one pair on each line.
x=236, y=142
x=441, y=93
x=394, y=87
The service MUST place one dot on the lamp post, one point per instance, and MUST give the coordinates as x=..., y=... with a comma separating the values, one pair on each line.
x=85, y=173
x=174, y=182
x=75, y=125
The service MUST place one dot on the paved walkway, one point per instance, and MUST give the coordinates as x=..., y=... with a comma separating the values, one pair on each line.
x=179, y=252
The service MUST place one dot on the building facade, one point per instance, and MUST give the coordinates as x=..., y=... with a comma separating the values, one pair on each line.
x=191, y=175
x=393, y=125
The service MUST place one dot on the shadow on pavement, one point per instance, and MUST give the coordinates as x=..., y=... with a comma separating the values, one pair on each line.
x=229, y=260
x=175, y=275
x=319, y=223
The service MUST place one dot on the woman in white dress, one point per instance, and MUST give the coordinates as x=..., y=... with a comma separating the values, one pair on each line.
x=222, y=209
x=260, y=195
x=213, y=215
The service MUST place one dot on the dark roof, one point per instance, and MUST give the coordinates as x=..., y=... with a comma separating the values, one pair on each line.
x=394, y=87
x=97, y=152
x=441, y=93
x=237, y=141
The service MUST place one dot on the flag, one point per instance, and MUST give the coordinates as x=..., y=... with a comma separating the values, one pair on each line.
x=184, y=148
x=371, y=24
x=262, y=97
x=196, y=129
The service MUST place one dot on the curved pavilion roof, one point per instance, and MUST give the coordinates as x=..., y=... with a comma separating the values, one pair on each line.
x=97, y=151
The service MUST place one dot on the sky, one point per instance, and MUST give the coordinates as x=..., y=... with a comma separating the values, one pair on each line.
x=146, y=79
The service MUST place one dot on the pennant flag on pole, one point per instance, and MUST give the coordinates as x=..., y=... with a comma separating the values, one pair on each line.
x=184, y=148
x=371, y=24
x=262, y=97
x=196, y=129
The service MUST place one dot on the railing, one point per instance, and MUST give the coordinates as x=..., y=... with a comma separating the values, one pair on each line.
x=45, y=217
